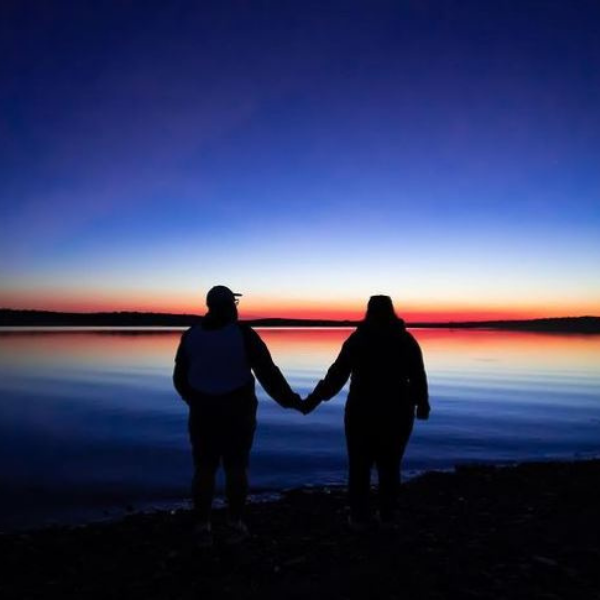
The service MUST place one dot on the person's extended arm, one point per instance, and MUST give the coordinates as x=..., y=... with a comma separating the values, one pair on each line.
x=180, y=372
x=418, y=381
x=267, y=372
x=334, y=381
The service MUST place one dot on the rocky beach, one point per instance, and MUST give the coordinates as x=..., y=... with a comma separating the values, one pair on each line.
x=524, y=531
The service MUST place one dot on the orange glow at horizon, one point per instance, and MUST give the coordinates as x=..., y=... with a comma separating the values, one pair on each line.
x=256, y=308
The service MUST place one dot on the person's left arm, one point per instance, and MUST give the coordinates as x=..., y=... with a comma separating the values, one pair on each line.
x=418, y=380
x=335, y=379
x=180, y=372
x=267, y=372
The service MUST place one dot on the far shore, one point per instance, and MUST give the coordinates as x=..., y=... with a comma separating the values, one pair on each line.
x=41, y=318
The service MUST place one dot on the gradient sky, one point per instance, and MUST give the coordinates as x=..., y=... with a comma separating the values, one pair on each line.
x=307, y=154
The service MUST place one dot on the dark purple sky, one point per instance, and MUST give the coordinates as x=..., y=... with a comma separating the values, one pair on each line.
x=307, y=153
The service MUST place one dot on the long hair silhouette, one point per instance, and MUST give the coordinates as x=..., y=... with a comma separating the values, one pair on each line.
x=381, y=313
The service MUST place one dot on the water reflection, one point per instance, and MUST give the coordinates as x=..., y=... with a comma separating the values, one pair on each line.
x=89, y=419
x=444, y=349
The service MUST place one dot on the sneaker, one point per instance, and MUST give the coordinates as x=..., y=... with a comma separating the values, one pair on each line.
x=203, y=536
x=237, y=532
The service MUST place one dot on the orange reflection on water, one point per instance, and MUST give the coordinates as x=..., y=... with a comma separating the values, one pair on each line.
x=306, y=349
x=521, y=350
x=94, y=348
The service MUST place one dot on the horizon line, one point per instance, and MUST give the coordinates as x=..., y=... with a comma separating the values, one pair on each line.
x=297, y=319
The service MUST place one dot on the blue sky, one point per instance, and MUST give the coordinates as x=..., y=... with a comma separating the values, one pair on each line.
x=308, y=154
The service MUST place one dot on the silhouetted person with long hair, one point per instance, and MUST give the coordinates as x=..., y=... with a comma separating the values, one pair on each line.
x=213, y=374
x=388, y=385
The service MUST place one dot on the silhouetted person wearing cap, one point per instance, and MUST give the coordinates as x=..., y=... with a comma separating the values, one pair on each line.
x=213, y=374
x=388, y=385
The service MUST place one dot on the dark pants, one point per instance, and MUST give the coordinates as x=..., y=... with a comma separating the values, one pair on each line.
x=221, y=431
x=376, y=440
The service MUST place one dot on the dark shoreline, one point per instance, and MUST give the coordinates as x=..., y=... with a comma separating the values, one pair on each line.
x=38, y=318
x=528, y=531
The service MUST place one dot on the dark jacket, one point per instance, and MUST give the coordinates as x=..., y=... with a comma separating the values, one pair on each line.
x=386, y=366
x=258, y=360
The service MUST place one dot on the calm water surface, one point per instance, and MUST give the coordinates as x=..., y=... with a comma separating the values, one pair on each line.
x=90, y=424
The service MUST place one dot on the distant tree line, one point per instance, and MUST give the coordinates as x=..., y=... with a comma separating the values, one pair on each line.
x=43, y=318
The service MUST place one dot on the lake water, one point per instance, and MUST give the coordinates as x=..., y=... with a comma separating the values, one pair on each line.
x=90, y=423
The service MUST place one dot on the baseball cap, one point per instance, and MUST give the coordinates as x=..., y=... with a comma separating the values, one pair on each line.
x=219, y=295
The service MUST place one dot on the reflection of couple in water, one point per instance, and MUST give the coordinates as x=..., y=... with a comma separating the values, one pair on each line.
x=213, y=374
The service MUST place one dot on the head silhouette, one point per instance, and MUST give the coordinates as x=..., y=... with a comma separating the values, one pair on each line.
x=222, y=304
x=380, y=311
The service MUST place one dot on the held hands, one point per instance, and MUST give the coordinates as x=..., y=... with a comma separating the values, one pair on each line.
x=305, y=407
x=296, y=403
x=310, y=403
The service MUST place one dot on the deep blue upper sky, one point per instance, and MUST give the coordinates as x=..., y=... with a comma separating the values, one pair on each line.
x=447, y=153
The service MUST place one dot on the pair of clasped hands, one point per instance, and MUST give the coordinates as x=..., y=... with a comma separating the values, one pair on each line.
x=307, y=405
x=311, y=402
